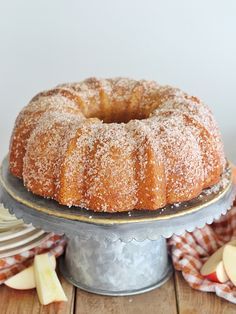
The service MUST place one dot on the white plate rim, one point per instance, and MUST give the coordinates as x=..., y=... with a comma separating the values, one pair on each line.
x=22, y=240
x=16, y=232
x=24, y=248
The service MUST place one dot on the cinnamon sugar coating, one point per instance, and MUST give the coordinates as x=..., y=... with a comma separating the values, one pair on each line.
x=116, y=145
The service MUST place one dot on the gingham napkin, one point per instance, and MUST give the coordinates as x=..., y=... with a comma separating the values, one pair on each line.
x=10, y=266
x=190, y=251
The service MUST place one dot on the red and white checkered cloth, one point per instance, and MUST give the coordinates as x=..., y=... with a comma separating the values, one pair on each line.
x=9, y=266
x=190, y=251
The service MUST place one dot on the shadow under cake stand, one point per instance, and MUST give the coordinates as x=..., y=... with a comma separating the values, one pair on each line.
x=120, y=253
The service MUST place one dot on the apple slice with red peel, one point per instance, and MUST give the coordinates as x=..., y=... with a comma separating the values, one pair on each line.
x=229, y=260
x=213, y=269
x=25, y=279
x=217, y=275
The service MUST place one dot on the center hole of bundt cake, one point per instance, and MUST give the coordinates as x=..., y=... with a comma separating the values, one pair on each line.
x=120, y=115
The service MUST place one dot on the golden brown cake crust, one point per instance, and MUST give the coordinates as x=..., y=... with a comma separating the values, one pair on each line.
x=116, y=145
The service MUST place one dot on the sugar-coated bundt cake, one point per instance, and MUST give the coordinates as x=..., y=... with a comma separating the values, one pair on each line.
x=116, y=145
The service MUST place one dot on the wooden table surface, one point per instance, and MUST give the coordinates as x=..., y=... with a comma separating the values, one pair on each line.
x=173, y=297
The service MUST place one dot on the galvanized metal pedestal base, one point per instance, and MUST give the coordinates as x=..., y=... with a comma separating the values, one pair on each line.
x=116, y=268
x=121, y=253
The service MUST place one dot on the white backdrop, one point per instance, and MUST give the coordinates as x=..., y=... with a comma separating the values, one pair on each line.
x=186, y=43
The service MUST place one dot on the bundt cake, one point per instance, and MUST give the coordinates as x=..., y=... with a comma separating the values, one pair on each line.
x=116, y=145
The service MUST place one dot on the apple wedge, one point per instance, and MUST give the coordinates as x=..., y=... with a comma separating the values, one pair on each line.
x=47, y=283
x=25, y=279
x=213, y=269
x=229, y=260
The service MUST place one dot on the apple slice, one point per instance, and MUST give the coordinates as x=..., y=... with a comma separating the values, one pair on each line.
x=47, y=283
x=213, y=269
x=25, y=279
x=229, y=260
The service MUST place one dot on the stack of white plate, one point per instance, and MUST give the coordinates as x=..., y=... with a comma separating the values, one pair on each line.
x=17, y=237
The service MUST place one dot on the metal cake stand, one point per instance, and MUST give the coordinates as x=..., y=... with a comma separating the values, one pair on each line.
x=116, y=253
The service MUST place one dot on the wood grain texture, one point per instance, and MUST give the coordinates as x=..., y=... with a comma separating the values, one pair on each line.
x=26, y=302
x=197, y=302
x=158, y=301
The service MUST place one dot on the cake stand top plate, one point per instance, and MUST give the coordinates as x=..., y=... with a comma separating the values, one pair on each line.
x=140, y=225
